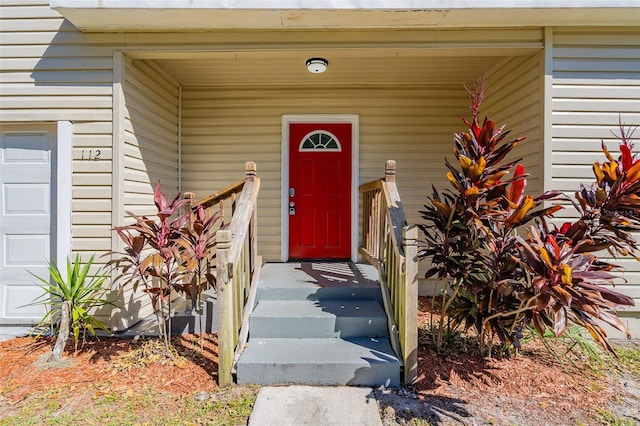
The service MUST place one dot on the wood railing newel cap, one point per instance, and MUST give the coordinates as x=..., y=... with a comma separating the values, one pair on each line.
x=410, y=235
x=191, y=196
x=250, y=168
x=390, y=171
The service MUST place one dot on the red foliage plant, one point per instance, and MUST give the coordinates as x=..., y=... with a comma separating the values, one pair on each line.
x=172, y=252
x=500, y=281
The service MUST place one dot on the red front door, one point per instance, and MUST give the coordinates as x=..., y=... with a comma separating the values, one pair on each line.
x=319, y=191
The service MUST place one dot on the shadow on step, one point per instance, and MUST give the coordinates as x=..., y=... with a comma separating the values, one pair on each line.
x=337, y=274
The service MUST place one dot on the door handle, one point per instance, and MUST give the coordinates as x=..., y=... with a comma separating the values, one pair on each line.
x=292, y=208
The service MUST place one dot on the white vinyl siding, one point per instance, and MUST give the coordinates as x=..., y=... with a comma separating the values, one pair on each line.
x=515, y=99
x=149, y=130
x=596, y=81
x=45, y=77
x=150, y=136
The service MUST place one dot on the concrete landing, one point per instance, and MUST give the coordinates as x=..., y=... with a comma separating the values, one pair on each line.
x=315, y=406
x=318, y=281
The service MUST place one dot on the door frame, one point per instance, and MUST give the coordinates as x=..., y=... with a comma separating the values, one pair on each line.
x=288, y=119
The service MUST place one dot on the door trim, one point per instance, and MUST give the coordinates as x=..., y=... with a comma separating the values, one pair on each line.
x=64, y=190
x=287, y=119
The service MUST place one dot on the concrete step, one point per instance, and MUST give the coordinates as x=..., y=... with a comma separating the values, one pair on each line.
x=319, y=361
x=319, y=318
x=318, y=281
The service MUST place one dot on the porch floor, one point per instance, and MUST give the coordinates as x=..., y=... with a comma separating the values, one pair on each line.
x=317, y=280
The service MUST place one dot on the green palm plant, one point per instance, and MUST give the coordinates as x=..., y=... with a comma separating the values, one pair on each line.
x=70, y=300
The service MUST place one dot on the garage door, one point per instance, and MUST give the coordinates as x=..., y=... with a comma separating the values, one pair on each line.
x=26, y=221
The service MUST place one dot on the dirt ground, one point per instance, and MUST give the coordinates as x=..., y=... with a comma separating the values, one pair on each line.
x=534, y=388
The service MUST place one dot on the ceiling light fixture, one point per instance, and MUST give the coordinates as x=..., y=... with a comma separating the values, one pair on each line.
x=317, y=65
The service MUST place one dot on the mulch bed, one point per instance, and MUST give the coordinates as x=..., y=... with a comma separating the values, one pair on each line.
x=23, y=372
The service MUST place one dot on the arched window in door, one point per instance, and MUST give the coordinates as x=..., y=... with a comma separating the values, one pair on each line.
x=320, y=140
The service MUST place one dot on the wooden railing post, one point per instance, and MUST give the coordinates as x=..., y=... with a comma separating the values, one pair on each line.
x=188, y=207
x=237, y=265
x=189, y=196
x=225, y=308
x=250, y=170
x=410, y=328
x=390, y=171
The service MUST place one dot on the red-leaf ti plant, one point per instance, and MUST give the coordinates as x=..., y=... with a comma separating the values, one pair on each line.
x=165, y=254
x=198, y=243
x=569, y=282
x=471, y=238
x=610, y=208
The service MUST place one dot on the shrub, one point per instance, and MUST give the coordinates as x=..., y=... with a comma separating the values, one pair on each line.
x=500, y=280
x=69, y=300
x=172, y=252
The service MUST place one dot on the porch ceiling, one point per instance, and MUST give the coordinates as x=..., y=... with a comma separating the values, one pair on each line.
x=347, y=68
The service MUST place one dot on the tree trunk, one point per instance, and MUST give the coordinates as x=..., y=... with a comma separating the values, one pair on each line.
x=63, y=332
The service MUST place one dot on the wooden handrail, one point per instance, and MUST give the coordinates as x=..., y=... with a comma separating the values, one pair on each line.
x=237, y=269
x=237, y=265
x=215, y=198
x=220, y=199
x=390, y=245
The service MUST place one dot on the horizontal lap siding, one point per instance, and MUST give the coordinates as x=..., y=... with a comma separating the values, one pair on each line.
x=150, y=132
x=596, y=81
x=39, y=85
x=515, y=99
x=221, y=129
x=150, y=136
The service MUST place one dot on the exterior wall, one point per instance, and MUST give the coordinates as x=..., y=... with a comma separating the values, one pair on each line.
x=148, y=125
x=44, y=79
x=221, y=129
x=595, y=80
x=76, y=85
x=53, y=72
x=150, y=135
x=516, y=99
x=50, y=72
